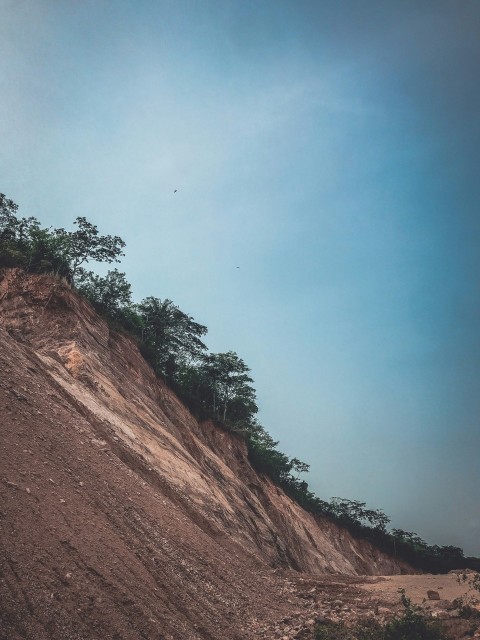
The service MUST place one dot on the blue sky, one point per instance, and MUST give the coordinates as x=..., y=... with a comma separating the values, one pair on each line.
x=330, y=150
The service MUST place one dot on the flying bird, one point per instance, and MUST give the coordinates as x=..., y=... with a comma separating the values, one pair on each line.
x=175, y=190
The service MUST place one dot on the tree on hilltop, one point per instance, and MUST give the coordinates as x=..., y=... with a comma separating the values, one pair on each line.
x=110, y=294
x=24, y=243
x=171, y=338
x=85, y=244
x=229, y=382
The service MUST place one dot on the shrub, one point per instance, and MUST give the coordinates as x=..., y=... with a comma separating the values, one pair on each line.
x=365, y=630
x=413, y=624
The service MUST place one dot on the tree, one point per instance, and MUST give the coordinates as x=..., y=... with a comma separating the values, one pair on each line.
x=230, y=382
x=354, y=512
x=298, y=466
x=8, y=218
x=171, y=338
x=23, y=242
x=85, y=244
x=262, y=449
x=377, y=519
x=110, y=294
x=410, y=538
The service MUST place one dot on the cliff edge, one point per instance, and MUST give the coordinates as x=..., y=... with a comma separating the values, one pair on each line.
x=121, y=515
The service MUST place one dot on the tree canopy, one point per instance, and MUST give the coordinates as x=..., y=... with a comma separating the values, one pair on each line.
x=86, y=245
x=23, y=242
x=171, y=339
x=230, y=385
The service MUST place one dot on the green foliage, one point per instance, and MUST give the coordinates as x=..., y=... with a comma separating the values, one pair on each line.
x=365, y=630
x=298, y=466
x=171, y=339
x=85, y=245
x=111, y=294
x=10, y=248
x=264, y=455
x=354, y=513
x=333, y=631
x=413, y=624
x=230, y=386
x=24, y=243
x=466, y=604
x=434, y=558
x=475, y=582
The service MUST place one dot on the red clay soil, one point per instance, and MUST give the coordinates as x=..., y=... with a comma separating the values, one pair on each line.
x=89, y=549
x=122, y=517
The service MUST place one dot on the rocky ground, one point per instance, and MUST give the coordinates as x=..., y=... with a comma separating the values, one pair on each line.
x=352, y=599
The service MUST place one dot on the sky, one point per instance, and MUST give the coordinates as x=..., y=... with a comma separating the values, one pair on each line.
x=329, y=149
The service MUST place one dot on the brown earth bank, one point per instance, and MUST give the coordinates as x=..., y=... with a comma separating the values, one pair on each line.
x=123, y=517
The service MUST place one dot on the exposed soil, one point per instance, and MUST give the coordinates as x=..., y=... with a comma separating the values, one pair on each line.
x=122, y=517
x=90, y=549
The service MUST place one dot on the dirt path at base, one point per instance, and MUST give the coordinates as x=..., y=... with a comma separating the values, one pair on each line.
x=449, y=587
x=351, y=599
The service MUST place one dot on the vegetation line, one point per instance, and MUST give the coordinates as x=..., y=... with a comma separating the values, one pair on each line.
x=213, y=385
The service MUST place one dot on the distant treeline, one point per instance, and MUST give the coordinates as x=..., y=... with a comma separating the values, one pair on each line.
x=213, y=385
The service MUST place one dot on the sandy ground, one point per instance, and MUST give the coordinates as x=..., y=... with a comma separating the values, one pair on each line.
x=350, y=599
x=449, y=587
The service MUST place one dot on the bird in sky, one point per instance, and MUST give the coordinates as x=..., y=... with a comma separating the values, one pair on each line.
x=175, y=190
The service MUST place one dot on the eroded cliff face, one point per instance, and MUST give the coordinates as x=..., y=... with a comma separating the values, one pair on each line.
x=119, y=505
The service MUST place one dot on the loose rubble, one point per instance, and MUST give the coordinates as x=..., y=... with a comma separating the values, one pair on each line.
x=326, y=599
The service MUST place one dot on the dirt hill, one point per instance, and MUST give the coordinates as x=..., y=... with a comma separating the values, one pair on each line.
x=121, y=515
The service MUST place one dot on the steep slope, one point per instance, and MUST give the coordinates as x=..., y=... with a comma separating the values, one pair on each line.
x=122, y=516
